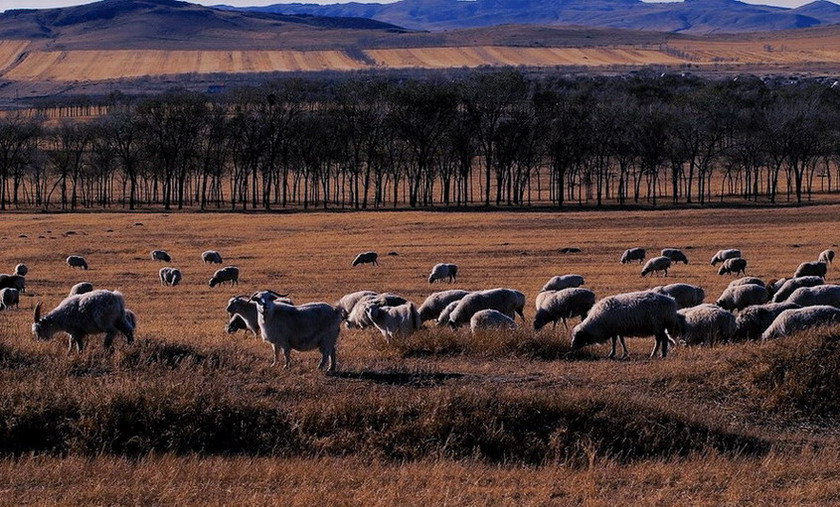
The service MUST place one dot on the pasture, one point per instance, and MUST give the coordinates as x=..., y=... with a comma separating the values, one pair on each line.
x=191, y=414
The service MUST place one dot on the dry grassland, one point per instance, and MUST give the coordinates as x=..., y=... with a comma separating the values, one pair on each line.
x=189, y=414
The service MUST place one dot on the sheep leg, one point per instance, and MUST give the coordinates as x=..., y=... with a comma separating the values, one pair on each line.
x=521, y=313
x=287, y=357
x=124, y=328
x=612, y=351
x=78, y=340
x=109, y=339
x=626, y=353
x=275, y=351
x=665, y=341
x=655, y=348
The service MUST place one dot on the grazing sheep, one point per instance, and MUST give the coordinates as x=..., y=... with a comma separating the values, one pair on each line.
x=792, y=284
x=826, y=256
x=561, y=305
x=507, y=301
x=675, y=254
x=487, y=320
x=306, y=327
x=563, y=282
x=821, y=295
x=13, y=282
x=81, y=288
x=748, y=280
x=438, y=301
x=77, y=261
x=441, y=271
x=348, y=301
x=443, y=318
x=685, y=294
x=395, y=321
x=160, y=255
x=131, y=318
x=753, y=321
x=9, y=298
x=774, y=285
x=722, y=255
x=366, y=258
x=811, y=269
x=170, y=276
x=792, y=321
x=632, y=314
x=737, y=266
x=706, y=324
x=21, y=270
x=742, y=296
x=237, y=323
x=100, y=311
x=227, y=274
x=633, y=254
x=358, y=317
x=246, y=310
x=656, y=265
x=211, y=257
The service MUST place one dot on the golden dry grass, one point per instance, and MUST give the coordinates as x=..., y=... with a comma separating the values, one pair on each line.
x=450, y=416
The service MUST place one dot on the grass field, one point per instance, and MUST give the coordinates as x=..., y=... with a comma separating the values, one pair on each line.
x=190, y=414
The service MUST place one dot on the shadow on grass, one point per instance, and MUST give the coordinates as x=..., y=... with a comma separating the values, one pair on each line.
x=399, y=378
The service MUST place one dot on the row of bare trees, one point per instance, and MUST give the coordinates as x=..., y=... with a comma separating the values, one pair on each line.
x=487, y=139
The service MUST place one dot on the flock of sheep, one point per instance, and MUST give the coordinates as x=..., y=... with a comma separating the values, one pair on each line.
x=748, y=309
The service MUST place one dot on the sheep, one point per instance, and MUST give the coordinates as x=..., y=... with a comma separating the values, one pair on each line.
x=21, y=270
x=563, y=282
x=507, y=301
x=675, y=254
x=748, y=280
x=821, y=295
x=9, y=298
x=631, y=314
x=633, y=254
x=395, y=321
x=722, y=255
x=486, y=320
x=443, y=318
x=685, y=294
x=706, y=324
x=81, y=288
x=131, y=318
x=742, y=296
x=753, y=321
x=826, y=256
x=245, y=309
x=160, y=255
x=13, y=282
x=657, y=264
x=792, y=321
x=227, y=274
x=170, y=276
x=438, y=301
x=237, y=323
x=795, y=283
x=358, y=317
x=100, y=311
x=211, y=257
x=441, y=271
x=306, y=327
x=366, y=258
x=562, y=304
x=77, y=261
x=773, y=286
x=811, y=269
x=735, y=266
x=348, y=301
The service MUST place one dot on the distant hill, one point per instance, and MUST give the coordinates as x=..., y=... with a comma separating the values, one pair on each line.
x=690, y=16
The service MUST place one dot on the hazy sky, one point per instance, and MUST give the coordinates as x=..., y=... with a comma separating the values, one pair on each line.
x=38, y=4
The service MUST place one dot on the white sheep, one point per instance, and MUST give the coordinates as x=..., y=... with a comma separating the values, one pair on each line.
x=441, y=271
x=791, y=321
x=742, y=296
x=561, y=305
x=675, y=254
x=366, y=258
x=77, y=261
x=656, y=265
x=170, y=276
x=826, y=256
x=246, y=310
x=507, y=301
x=795, y=283
x=348, y=301
x=490, y=320
x=211, y=257
x=443, y=318
x=81, y=288
x=395, y=322
x=686, y=295
x=100, y=311
x=21, y=270
x=9, y=298
x=561, y=282
x=722, y=255
x=438, y=301
x=706, y=324
x=160, y=255
x=821, y=295
x=735, y=265
x=626, y=315
x=227, y=274
x=819, y=269
x=633, y=254
x=748, y=280
x=753, y=321
x=358, y=317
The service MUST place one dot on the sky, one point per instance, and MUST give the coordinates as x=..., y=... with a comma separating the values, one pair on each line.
x=41, y=4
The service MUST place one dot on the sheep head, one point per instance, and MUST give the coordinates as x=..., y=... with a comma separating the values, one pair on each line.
x=41, y=327
x=582, y=338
